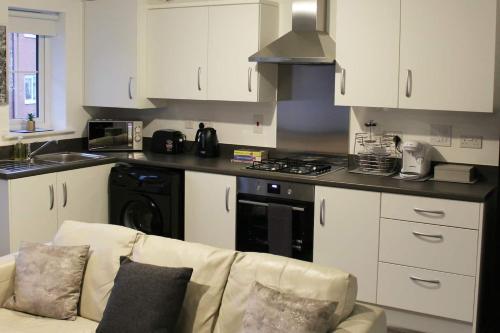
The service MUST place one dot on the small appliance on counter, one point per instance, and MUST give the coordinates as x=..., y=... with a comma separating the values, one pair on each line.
x=114, y=135
x=455, y=173
x=207, y=144
x=416, y=160
x=168, y=142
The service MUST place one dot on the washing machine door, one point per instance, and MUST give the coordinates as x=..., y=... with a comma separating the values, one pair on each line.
x=142, y=214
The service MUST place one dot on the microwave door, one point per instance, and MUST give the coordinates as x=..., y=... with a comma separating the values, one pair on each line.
x=110, y=136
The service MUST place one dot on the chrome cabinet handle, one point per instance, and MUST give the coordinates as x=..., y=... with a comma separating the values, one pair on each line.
x=342, y=83
x=130, y=87
x=228, y=189
x=426, y=211
x=409, y=83
x=322, y=212
x=65, y=194
x=415, y=278
x=51, y=193
x=199, y=78
x=263, y=204
x=420, y=234
x=250, y=79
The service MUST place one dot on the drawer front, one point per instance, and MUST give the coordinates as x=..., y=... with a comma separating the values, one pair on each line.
x=428, y=246
x=449, y=295
x=429, y=210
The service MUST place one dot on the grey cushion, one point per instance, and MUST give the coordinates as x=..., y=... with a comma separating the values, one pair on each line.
x=48, y=280
x=270, y=311
x=145, y=299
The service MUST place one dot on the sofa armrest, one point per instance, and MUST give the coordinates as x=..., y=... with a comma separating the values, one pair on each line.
x=364, y=319
x=7, y=273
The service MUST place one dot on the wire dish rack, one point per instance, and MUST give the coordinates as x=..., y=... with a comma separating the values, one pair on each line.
x=375, y=154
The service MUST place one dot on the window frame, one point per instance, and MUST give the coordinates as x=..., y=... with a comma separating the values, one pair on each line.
x=43, y=119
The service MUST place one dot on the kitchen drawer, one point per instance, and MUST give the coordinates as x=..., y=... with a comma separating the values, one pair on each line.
x=452, y=296
x=429, y=210
x=446, y=249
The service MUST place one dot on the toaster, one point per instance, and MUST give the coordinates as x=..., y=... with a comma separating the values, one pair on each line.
x=168, y=142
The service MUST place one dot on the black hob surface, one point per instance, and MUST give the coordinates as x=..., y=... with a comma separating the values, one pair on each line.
x=306, y=165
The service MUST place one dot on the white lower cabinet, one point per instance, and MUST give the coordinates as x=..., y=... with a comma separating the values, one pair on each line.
x=33, y=208
x=210, y=209
x=346, y=232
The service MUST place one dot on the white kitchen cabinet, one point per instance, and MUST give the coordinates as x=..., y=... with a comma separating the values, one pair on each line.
x=113, y=52
x=79, y=201
x=367, y=59
x=346, y=235
x=33, y=208
x=235, y=33
x=200, y=52
x=177, y=53
x=417, y=54
x=210, y=209
x=448, y=55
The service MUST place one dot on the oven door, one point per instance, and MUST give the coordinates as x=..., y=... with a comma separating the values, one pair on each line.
x=112, y=135
x=252, y=225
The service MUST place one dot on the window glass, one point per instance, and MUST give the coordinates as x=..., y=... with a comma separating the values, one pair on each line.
x=24, y=75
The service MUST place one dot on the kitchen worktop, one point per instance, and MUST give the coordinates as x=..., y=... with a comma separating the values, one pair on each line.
x=477, y=192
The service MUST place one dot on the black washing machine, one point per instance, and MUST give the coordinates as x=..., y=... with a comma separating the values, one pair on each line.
x=147, y=199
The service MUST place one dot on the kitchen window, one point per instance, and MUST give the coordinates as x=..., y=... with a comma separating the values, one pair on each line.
x=28, y=71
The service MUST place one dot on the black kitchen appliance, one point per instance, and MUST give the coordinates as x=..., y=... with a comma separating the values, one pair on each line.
x=275, y=217
x=304, y=165
x=207, y=144
x=147, y=199
x=168, y=142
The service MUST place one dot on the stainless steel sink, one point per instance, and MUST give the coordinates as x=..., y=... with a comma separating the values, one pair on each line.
x=65, y=158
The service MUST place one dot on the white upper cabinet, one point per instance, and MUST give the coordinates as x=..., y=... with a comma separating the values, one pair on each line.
x=236, y=32
x=177, y=53
x=201, y=52
x=114, y=75
x=367, y=53
x=417, y=54
x=448, y=54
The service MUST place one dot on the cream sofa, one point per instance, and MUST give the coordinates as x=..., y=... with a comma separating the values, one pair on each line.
x=216, y=295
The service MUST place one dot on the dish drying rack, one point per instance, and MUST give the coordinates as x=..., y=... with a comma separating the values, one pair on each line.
x=376, y=154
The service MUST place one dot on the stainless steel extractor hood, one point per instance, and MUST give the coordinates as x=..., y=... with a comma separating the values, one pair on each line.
x=307, y=43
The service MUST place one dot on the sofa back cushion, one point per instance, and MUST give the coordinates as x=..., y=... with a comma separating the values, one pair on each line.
x=286, y=275
x=107, y=244
x=210, y=266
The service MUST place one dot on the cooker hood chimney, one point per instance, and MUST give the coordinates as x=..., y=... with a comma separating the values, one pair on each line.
x=307, y=43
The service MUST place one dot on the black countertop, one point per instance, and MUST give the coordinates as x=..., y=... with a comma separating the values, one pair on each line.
x=477, y=192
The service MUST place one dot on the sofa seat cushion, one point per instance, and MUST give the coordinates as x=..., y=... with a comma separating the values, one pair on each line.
x=17, y=322
x=210, y=271
x=303, y=279
x=107, y=244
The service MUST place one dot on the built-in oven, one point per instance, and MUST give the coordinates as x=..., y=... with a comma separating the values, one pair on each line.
x=115, y=135
x=275, y=217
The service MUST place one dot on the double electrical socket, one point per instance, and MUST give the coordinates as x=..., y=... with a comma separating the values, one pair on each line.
x=441, y=136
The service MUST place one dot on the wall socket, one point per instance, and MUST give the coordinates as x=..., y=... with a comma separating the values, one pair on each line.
x=258, y=126
x=473, y=142
x=440, y=135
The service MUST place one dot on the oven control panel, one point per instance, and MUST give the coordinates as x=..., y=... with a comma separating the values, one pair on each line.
x=277, y=189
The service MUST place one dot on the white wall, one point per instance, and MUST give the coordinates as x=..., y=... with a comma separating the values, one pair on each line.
x=67, y=66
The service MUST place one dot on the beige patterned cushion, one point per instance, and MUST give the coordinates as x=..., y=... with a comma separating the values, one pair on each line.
x=48, y=280
x=270, y=311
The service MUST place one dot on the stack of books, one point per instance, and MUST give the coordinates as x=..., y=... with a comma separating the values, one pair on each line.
x=249, y=156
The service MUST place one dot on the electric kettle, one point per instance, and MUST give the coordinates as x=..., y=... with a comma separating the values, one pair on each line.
x=207, y=144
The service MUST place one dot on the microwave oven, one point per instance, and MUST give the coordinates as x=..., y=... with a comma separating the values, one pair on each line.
x=115, y=135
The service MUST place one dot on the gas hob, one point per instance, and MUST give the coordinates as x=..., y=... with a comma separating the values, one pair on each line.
x=302, y=165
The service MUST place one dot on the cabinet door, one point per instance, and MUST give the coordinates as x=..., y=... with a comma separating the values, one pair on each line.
x=83, y=194
x=210, y=209
x=177, y=53
x=447, y=54
x=234, y=36
x=33, y=206
x=346, y=232
x=367, y=53
x=111, y=53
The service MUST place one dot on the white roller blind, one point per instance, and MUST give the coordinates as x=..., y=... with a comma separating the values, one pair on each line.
x=36, y=23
